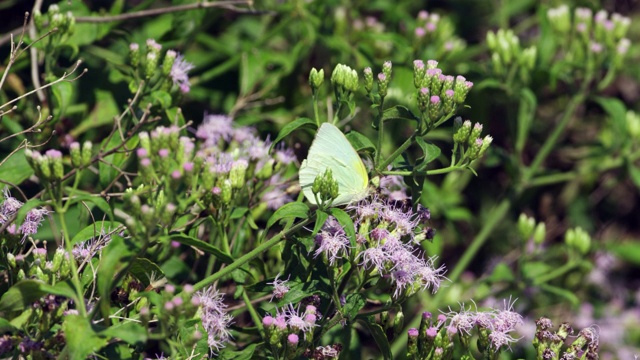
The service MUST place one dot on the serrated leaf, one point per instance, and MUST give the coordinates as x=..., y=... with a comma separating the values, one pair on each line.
x=347, y=224
x=399, y=112
x=238, y=212
x=430, y=152
x=15, y=169
x=360, y=142
x=81, y=339
x=94, y=230
x=21, y=295
x=142, y=269
x=289, y=210
x=115, y=256
x=161, y=98
x=98, y=201
x=380, y=338
x=129, y=332
x=292, y=126
x=321, y=217
x=204, y=246
x=63, y=288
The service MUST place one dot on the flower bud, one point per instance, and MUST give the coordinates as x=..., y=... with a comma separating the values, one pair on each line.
x=55, y=160
x=462, y=135
x=475, y=134
x=167, y=63
x=86, y=153
x=316, y=78
x=526, y=226
x=11, y=260
x=151, y=64
x=419, y=72
x=368, y=80
x=226, y=192
x=58, y=258
x=134, y=54
x=398, y=323
x=76, y=154
x=238, y=173
x=539, y=233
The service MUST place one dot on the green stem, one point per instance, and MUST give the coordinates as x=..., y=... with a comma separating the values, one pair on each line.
x=551, y=141
x=75, y=278
x=380, y=122
x=381, y=166
x=249, y=256
x=428, y=172
x=315, y=108
x=555, y=273
x=252, y=311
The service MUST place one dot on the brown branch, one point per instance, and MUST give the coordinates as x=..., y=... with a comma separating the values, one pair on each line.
x=160, y=11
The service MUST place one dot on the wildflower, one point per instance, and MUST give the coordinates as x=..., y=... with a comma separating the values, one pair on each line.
x=32, y=221
x=280, y=288
x=215, y=319
x=179, y=71
x=215, y=128
x=332, y=241
x=9, y=207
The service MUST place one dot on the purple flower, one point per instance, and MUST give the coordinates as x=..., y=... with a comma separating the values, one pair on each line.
x=215, y=128
x=215, y=319
x=179, y=72
x=276, y=198
x=9, y=207
x=333, y=244
x=280, y=288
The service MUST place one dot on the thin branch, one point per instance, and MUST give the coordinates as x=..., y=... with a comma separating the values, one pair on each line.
x=61, y=79
x=14, y=49
x=160, y=11
x=35, y=75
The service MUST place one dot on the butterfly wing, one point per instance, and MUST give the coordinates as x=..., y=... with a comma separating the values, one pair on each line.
x=331, y=150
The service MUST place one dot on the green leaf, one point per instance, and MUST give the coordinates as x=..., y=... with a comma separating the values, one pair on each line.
x=63, y=288
x=6, y=327
x=526, y=114
x=321, y=217
x=353, y=304
x=244, y=354
x=567, y=294
x=290, y=210
x=238, y=212
x=98, y=201
x=115, y=257
x=347, y=223
x=204, y=246
x=21, y=295
x=634, y=174
x=629, y=251
x=399, y=112
x=81, y=339
x=617, y=111
x=129, y=332
x=15, y=169
x=379, y=336
x=95, y=230
x=102, y=114
x=360, y=142
x=294, y=125
x=161, y=98
x=62, y=94
x=430, y=152
x=176, y=116
x=142, y=269
x=501, y=273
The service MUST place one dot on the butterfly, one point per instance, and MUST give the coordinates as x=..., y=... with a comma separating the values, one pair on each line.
x=331, y=150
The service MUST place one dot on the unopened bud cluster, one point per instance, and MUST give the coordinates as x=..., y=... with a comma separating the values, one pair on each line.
x=64, y=23
x=578, y=240
x=168, y=71
x=290, y=331
x=530, y=230
x=467, y=139
x=439, y=95
x=325, y=188
x=344, y=81
x=550, y=344
x=599, y=37
x=507, y=53
x=436, y=34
